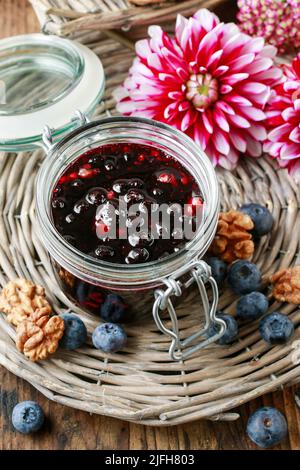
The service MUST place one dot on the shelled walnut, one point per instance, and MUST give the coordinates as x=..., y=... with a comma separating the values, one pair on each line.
x=233, y=239
x=39, y=335
x=20, y=298
x=286, y=285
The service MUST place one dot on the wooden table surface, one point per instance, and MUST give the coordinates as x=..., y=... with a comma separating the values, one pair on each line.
x=71, y=429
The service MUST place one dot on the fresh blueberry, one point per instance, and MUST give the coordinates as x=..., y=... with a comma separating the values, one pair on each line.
x=231, y=331
x=267, y=427
x=109, y=337
x=114, y=309
x=244, y=277
x=252, y=306
x=261, y=217
x=27, y=417
x=75, y=333
x=276, y=328
x=218, y=269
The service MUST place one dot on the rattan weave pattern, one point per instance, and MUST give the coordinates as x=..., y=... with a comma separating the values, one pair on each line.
x=141, y=384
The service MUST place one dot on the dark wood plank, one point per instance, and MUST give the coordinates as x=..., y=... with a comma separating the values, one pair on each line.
x=71, y=429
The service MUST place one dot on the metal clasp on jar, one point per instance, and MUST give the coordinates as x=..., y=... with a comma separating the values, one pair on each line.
x=80, y=119
x=200, y=273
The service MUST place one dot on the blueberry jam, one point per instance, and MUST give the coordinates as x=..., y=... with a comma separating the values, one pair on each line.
x=139, y=175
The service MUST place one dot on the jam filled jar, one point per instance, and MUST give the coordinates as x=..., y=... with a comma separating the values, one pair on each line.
x=126, y=207
x=94, y=190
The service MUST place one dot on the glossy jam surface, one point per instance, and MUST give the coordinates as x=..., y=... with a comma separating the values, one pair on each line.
x=140, y=175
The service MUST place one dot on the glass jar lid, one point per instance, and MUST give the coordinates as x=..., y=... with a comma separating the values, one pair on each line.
x=44, y=80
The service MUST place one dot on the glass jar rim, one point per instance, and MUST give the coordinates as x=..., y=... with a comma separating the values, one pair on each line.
x=97, y=271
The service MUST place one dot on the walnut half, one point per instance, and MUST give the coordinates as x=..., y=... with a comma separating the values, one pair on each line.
x=20, y=298
x=233, y=240
x=286, y=285
x=38, y=336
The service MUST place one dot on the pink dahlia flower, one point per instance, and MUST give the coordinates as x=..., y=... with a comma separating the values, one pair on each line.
x=276, y=20
x=211, y=81
x=283, y=113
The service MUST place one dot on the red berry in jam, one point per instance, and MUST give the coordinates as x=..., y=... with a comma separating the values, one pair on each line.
x=137, y=256
x=133, y=196
x=81, y=206
x=104, y=252
x=87, y=200
x=96, y=196
x=58, y=203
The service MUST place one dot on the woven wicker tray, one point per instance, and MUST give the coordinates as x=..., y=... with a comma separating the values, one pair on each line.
x=64, y=17
x=141, y=384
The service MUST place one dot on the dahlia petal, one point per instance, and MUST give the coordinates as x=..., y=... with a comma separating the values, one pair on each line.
x=221, y=70
x=175, y=95
x=254, y=148
x=206, y=18
x=195, y=33
x=296, y=66
x=238, y=141
x=241, y=62
x=257, y=44
x=166, y=77
x=239, y=121
x=272, y=148
x=238, y=99
x=187, y=120
x=126, y=107
x=201, y=136
x=154, y=61
x=212, y=153
x=269, y=77
x=214, y=59
x=120, y=93
x=280, y=133
x=258, y=132
x=297, y=104
x=207, y=121
x=295, y=135
x=155, y=31
x=226, y=163
x=229, y=30
x=289, y=114
x=181, y=30
x=143, y=49
x=235, y=78
x=143, y=69
x=269, y=51
x=234, y=43
x=220, y=119
x=253, y=87
x=207, y=46
x=233, y=157
x=182, y=73
x=173, y=60
x=184, y=105
x=260, y=99
x=259, y=65
x=253, y=113
x=290, y=151
x=169, y=110
x=291, y=85
x=221, y=142
x=223, y=106
x=225, y=89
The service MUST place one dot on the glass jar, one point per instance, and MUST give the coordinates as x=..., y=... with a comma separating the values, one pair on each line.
x=45, y=81
x=148, y=286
